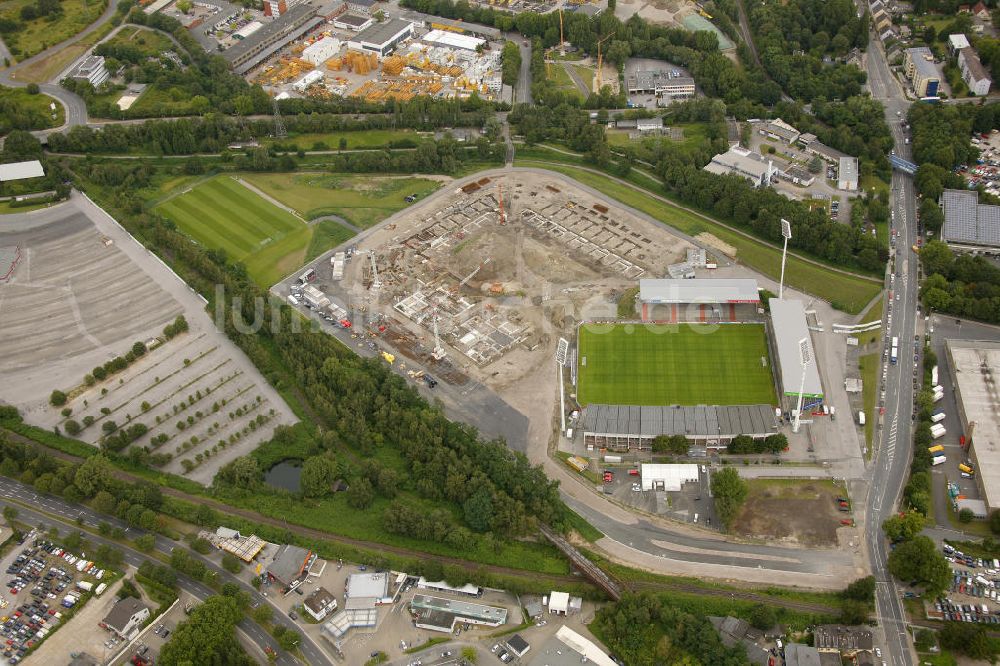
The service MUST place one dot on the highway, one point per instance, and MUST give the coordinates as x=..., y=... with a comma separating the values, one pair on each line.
x=20, y=496
x=890, y=464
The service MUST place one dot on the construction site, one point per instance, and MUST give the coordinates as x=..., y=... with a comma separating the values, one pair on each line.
x=477, y=284
x=392, y=60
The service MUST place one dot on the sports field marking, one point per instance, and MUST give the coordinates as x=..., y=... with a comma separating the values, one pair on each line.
x=684, y=364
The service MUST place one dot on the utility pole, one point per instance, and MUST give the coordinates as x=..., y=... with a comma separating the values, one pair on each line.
x=786, y=231
x=279, y=125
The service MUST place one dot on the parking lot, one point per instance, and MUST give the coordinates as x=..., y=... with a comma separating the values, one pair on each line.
x=43, y=583
x=973, y=596
x=692, y=503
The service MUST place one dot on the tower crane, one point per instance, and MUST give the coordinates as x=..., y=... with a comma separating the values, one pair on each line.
x=439, y=351
x=376, y=282
x=473, y=273
x=600, y=62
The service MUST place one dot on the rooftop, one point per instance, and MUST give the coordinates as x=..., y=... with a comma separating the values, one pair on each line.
x=568, y=648
x=287, y=25
x=672, y=476
x=489, y=614
x=696, y=421
x=826, y=151
x=968, y=222
x=707, y=290
x=368, y=586
x=352, y=19
x=848, y=168
x=923, y=62
x=788, y=319
x=381, y=33
x=453, y=39
x=740, y=159
x=780, y=128
x=319, y=600
x=89, y=64
x=975, y=364
x=840, y=637
x=973, y=64
x=518, y=644
x=288, y=563
x=958, y=42
x=122, y=612
x=21, y=170
x=797, y=654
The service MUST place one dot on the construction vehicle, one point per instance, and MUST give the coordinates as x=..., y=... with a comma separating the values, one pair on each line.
x=389, y=358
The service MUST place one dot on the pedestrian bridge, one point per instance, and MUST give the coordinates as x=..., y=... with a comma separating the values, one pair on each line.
x=905, y=166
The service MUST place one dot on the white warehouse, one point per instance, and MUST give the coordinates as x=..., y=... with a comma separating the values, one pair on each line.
x=319, y=52
x=315, y=76
x=667, y=477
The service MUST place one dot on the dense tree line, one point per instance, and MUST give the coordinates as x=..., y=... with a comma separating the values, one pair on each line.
x=20, y=113
x=797, y=41
x=510, y=63
x=648, y=631
x=207, y=636
x=961, y=285
x=214, y=133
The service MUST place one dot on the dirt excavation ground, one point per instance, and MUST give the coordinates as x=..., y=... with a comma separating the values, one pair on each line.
x=793, y=512
x=83, y=293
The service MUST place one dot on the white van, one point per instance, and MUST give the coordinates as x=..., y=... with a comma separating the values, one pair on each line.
x=293, y=300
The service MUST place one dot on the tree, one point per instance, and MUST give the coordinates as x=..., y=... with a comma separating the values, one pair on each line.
x=918, y=560
x=262, y=614
x=969, y=639
x=478, y=509
x=207, y=636
x=242, y=472
x=966, y=515
x=92, y=475
x=72, y=428
x=289, y=639
x=854, y=612
x=145, y=543
x=815, y=165
x=57, y=399
x=995, y=522
x=231, y=563
x=903, y=527
x=730, y=491
x=318, y=475
x=936, y=257
x=470, y=655
x=675, y=444
x=104, y=502
x=863, y=589
x=9, y=514
x=361, y=494
x=763, y=617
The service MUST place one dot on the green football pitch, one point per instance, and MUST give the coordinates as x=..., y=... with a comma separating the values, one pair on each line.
x=684, y=364
x=222, y=214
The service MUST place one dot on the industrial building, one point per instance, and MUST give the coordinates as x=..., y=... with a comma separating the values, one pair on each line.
x=632, y=428
x=820, y=149
x=437, y=614
x=569, y=648
x=126, y=617
x=847, y=174
x=974, y=367
x=354, y=22
x=321, y=50
x=779, y=130
x=274, y=36
x=918, y=63
x=92, y=70
x=660, y=83
x=290, y=565
x=669, y=478
x=365, y=7
x=973, y=72
x=732, y=299
x=453, y=40
x=745, y=163
x=382, y=38
x=441, y=586
x=968, y=224
x=21, y=171
x=788, y=328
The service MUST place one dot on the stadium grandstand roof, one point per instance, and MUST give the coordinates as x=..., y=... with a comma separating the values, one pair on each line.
x=699, y=421
x=788, y=319
x=708, y=290
x=968, y=222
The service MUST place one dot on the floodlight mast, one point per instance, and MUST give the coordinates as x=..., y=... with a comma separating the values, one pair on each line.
x=804, y=357
x=786, y=232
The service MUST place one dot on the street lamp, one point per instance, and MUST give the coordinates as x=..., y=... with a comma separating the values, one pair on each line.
x=804, y=358
x=786, y=231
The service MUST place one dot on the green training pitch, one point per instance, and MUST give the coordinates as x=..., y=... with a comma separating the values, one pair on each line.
x=220, y=213
x=683, y=364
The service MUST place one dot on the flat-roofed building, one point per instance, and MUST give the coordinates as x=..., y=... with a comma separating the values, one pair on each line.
x=355, y=22
x=848, y=641
x=437, y=614
x=669, y=478
x=21, y=170
x=92, y=70
x=453, y=40
x=656, y=291
x=321, y=50
x=441, y=586
x=660, y=83
x=847, y=174
x=788, y=328
x=382, y=38
x=569, y=648
x=364, y=7
x=780, y=130
x=974, y=364
x=274, y=36
x=973, y=72
x=956, y=43
x=918, y=63
x=968, y=224
x=745, y=163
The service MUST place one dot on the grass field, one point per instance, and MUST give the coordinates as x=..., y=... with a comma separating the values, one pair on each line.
x=38, y=106
x=221, y=213
x=845, y=292
x=361, y=200
x=38, y=34
x=666, y=365
x=869, y=366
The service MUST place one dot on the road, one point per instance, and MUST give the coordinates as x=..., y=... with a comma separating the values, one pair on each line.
x=522, y=91
x=21, y=496
x=890, y=464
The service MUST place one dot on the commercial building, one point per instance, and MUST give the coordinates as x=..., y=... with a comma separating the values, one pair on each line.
x=631, y=427
x=973, y=72
x=918, y=63
x=780, y=130
x=126, y=617
x=797, y=654
x=974, y=365
x=453, y=40
x=382, y=38
x=364, y=7
x=788, y=328
x=274, y=36
x=373, y=587
x=669, y=478
x=660, y=83
x=441, y=586
x=956, y=43
x=848, y=641
x=350, y=618
x=437, y=614
x=968, y=224
x=649, y=124
x=560, y=603
x=320, y=603
x=355, y=22
x=821, y=150
x=21, y=170
x=92, y=70
x=569, y=648
x=847, y=174
x=290, y=565
x=321, y=50
x=244, y=547
x=745, y=163
x=518, y=645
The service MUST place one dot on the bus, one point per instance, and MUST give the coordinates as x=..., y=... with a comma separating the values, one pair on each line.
x=895, y=341
x=934, y=450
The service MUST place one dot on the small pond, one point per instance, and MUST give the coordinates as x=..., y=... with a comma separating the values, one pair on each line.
x=285, y=475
